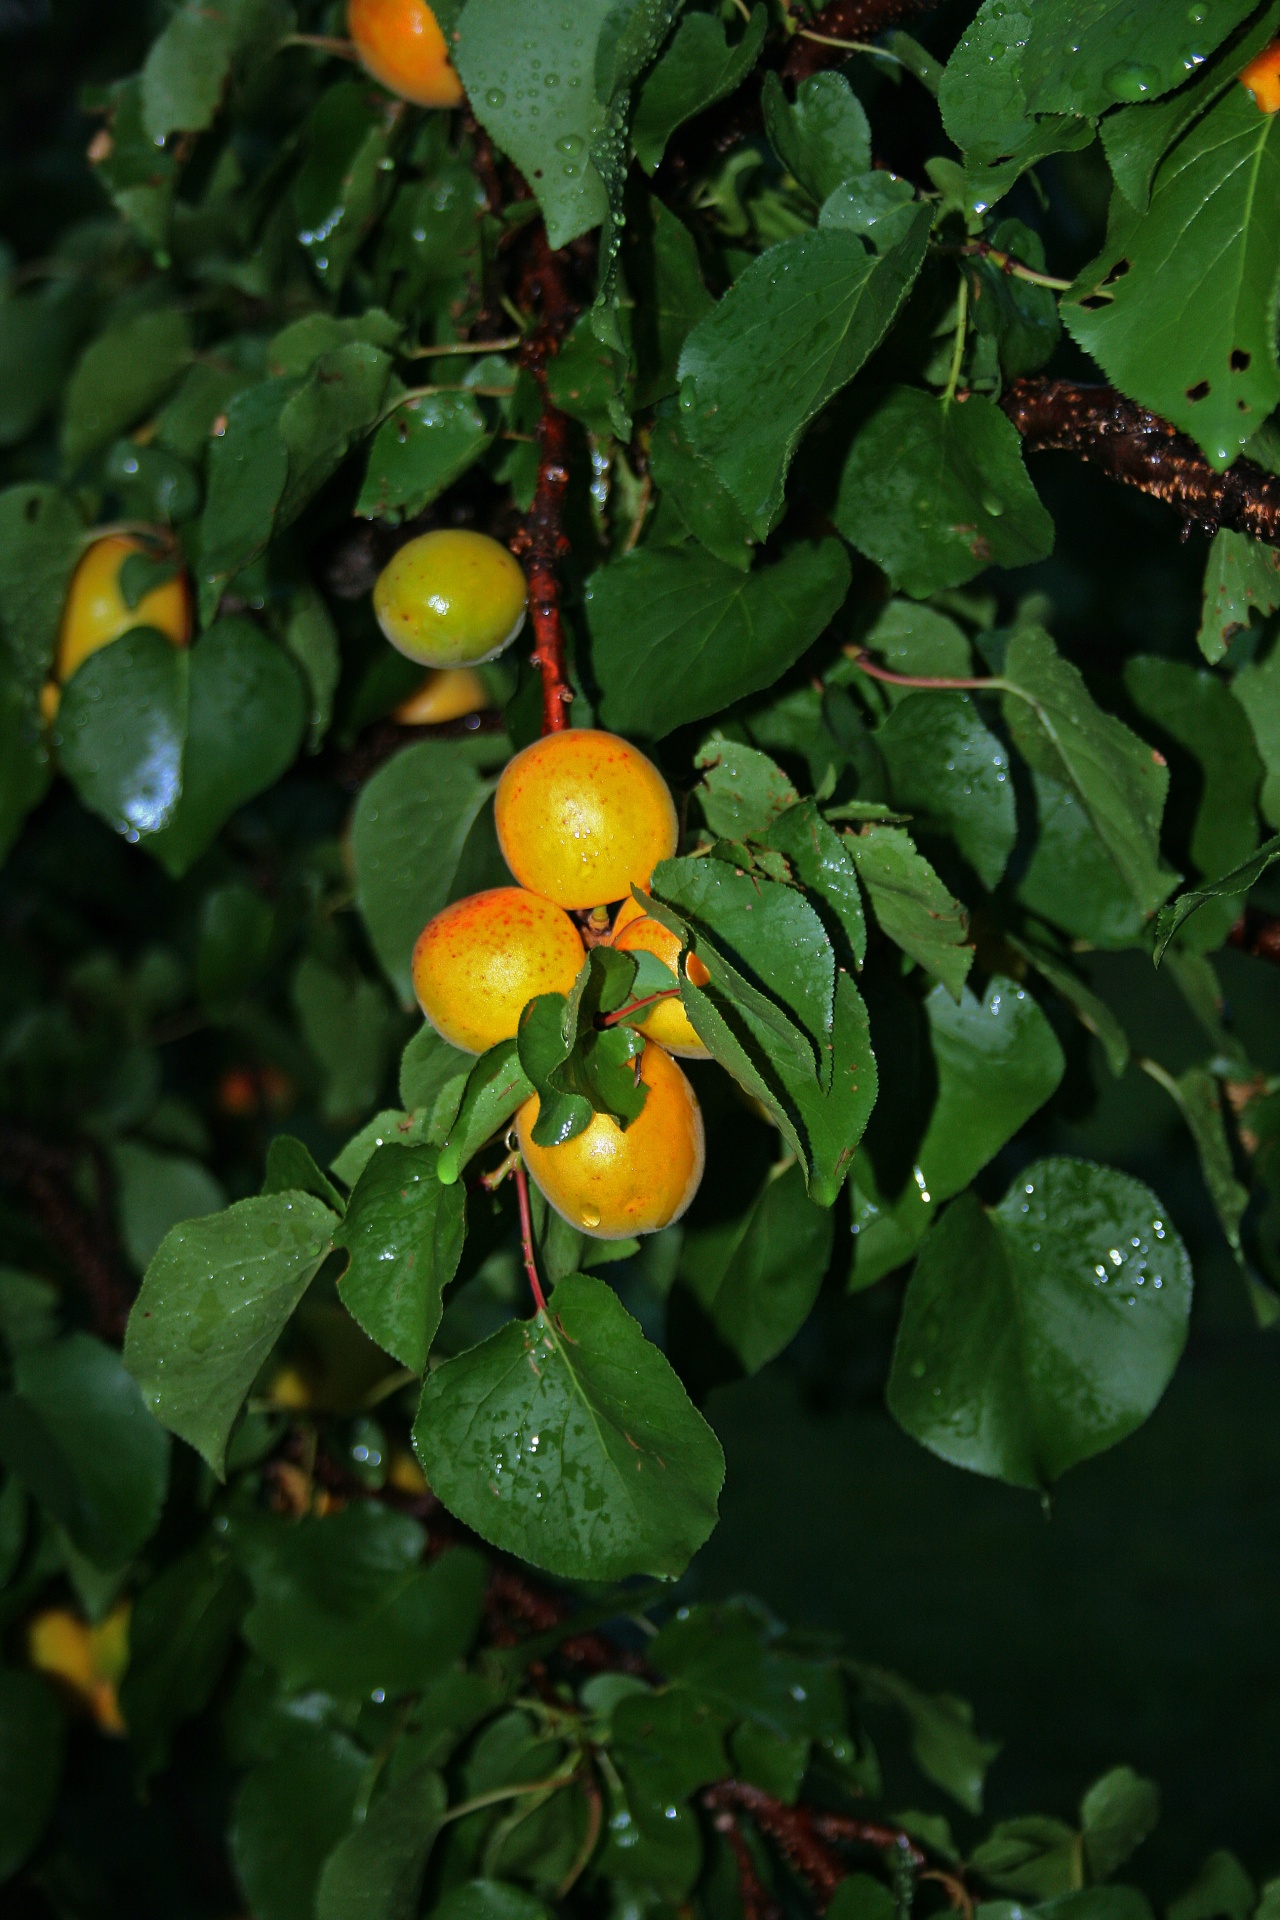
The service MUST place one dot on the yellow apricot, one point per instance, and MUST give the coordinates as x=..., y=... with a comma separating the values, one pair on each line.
x=613, y=1183
x=95, y=612
x=582, y=816
x=401, y=45
x=1262, y=77
x=450, y=598
x=58, y=1643
x=668, y=1023
x=450, y=694
x=479, y=961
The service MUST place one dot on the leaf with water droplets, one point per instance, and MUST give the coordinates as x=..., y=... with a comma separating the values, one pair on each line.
x=214, y=1302
x=404, y=1231
x=1037, y=1334
x=569, y=1440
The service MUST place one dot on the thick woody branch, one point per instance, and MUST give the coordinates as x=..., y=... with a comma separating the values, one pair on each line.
x=543, y=541
x=1141, y=450
x=808, y=1839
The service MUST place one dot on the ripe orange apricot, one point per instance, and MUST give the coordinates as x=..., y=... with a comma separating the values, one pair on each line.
x=401, y=45
x=95, y=612
x=582, y=816
x=610, y=1183
x=448, y=694
x=1262, y=77
x=451, y=598
x=635, y=931
x=478, y=961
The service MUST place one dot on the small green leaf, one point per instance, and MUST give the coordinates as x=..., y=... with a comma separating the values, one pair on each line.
x=695, y=70
x=822, y=137
x=818, y=859
x=181, y=1631
x=568, y=1440
x=291, y=1166
x=1221, y=1890
x=376, y=1872
x=935, y=491
x=343, y=183
x=290, y=1813
x=419, y=451
x=41, y=539
x=30, y=1763
x=911, y=904
x=758, y=1276
x=404, y=1232
x=189, y=64
x=237, y=927
x=121, y=731
x=859, y=1897
x=1242, y=578
x=119, y=378
x=997, y=1060
x=1232, y=885
x=943, y=1743
x=1034, y=1855
x=1037, y=1335
x=742, y=791
x=1092, y=1012
x=951, y=773
x=247, y=468
x=213, y=1303
x=1116, y=1815
x=350, y=1028
x=496, y=1086
x=678, y=635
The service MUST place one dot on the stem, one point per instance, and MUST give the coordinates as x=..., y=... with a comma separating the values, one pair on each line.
x=462, y=346
x=545, y=541
x=865, y=664
x=1010, y=264
x=322, y=43
x=526, y=1238
x=962, y=335
x=497, y=1794
x=624, y=1013
x=849, y=46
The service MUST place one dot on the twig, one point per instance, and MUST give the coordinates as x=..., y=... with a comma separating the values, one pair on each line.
x=1008, y=263
x=526, y=1237
x=1257, y=933
x=322, y=43
x=822, y=43
x=80, y=1234
x=1141, y=450
x=625, y=1013
x=543, y=538
x=865, y=664
x=461, y=346
x=756, y=1903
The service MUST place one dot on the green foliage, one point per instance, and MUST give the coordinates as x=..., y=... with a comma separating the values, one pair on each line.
x=955, y=763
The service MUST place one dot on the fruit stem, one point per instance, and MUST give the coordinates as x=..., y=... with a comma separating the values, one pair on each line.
x=863, y=661
x=322, y=43
x=526, y=1237
x=623, y=1013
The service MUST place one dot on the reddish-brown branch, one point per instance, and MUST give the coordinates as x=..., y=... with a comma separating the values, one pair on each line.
x=526, y=1238
x=1257, y=933
x=543, y=541
x=756, y=1903
x=865, y=664
x=807, y=1839
x=1141, y=450
x=82, y=1235
x=847, y=20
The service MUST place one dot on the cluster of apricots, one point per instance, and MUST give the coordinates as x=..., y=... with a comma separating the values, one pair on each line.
x=582, y=818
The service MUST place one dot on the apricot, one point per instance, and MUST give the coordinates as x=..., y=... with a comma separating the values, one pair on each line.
x=450, y=598
x=448, y=694
x=1262, y=77
x=480, y=960
x=88, y=1661
x=668, y=1023
x=612, y=1183
x=401, y=45
x=95, y=612
x=582, y=816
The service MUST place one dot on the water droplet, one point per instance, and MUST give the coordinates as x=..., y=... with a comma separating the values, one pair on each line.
x=992, y=504
x=1130, y=81
x=570, y=143
x=917, y=1369
x=590, y=1216
x=495, y=97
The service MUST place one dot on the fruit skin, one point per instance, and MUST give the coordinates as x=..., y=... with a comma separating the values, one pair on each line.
x=612, y=1184
x=95, y=613
x=668, y=1023
x=450, y=694
x=451, y=598
x=478, y=961
x=88, y=1661
x=1262, y=77
x=401, y=45
x=582, y=816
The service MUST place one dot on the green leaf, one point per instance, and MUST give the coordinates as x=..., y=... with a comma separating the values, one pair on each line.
x=951, y=773
x=343, y=183
x=24, y=757
x=997, y=1061
x=291, y=1166
x=672, y=1738
x=489, y=1900
x=139, y=177
x=664, y=273
x=41, y=539
x=119, y=378
x=1186, y=326
x=30, y=1763
x=237, y=927
x=156, y=1191
x=1116, y=1815
x=246, y=716
x=246, y=472
x=496, y=1086
x=1038, y=1334
x=742, y=791
x=758, y=1276
x=350, y=1028
x=188, y=65
x=568, y=1440
x=859, y=1897
x=38, y=334
x=404, y=1232
x=418, y=452
x=791, y=331
x=1118, y=778
x=936, y=490
x=1020, y=316
x=1197, y=1096
x=431, y=1070
x=344, y=1604
x=943, y=1743
x=1198, y=714
x=427, y=796
x=121, y=730
x=911, y=904
x=679, y=635
x=575, y=1069
x=822, y=137
x=1257, y=688
x=291, y=1812
x=1221, y=1890
x=376, y=1872
x=1241, y=579
x=819, y=861
x=338, y=403
x=312, y=639
x=181, y=1632
x=1091, y=1011
x=727, y=1658
x=76, y=1433
x=213, y=1303
x=1034, y=1855
x=689, y=484
x=696, y=69
x=1070, y=879
x=1171, y=919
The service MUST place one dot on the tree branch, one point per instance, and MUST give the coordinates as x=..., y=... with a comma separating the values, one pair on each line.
x=546, y=290
x=82, y=1235
x=806, y=1838
x=1257, y=933
x=1141, y=450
